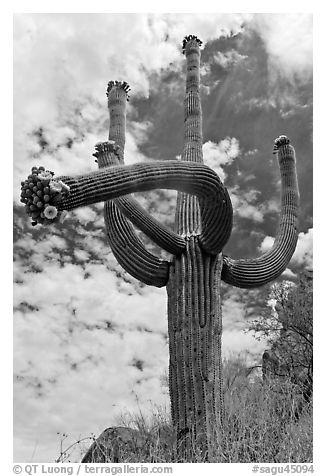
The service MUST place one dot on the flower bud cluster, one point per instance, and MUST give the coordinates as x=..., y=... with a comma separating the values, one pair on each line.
x=279, y=141
x=190, y=38
x=118, y=84
x=41, y=193
x=107, y=147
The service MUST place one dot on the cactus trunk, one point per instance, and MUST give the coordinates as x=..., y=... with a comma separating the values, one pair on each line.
x=195, y=326
x=194, y=305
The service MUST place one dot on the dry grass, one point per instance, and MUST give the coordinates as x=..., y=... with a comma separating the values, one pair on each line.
x=264, y=422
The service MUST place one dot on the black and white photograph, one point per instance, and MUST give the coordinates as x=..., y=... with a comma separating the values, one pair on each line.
x=162, y=239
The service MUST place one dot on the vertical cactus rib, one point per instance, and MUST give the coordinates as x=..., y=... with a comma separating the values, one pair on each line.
x=214, y=397
x=216, y=310
x=177, y=371
x=188, y=348
x=250, y=273
x=173, y=381
x=195, y=291
x=180, y=318
x=201, y=284
x=187, y=220
x=207, y=303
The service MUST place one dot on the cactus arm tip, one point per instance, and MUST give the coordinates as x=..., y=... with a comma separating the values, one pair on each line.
x=279, y=142
x=108, y=152
x=251, y=273
x=122, y=85
x=190, y=39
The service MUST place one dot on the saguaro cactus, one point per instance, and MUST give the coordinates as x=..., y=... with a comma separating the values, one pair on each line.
x=193, y=277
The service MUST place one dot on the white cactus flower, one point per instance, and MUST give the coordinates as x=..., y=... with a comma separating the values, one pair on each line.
x=50, y=212
x=45, y=175
x=55, y=186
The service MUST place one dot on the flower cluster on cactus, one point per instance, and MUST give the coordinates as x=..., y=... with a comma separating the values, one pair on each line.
x=119, y=84
x=41, y=194
x=190, y=38
x=281, y=140
x=107, y=147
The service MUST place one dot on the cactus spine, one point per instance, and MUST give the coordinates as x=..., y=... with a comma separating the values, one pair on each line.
x=203, y=224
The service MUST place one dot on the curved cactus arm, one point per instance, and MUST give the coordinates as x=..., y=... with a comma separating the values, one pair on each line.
x=108, y=154
x=156, y=231
x=251, y=273
x=118, y=95
x=112, y=182
x=130, y=251
x=127, y=248
x=188, y=177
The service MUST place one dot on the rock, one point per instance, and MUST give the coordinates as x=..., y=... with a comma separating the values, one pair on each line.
x=113, y=443
x=121, y=444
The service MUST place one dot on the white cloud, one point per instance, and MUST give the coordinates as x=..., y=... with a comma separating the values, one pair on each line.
x=86, y=215
x=288, y=39
x=234, y=337
x=238, y=342
x=62, y=63
x=244, y=204
x=63, y=56
x=266, y=244
x=303, y=252
x=218, y=155
x=228, y=58
x=205, y=25
x=81, y=255
x=233, y=309
x=288, y=274
x=69, y=361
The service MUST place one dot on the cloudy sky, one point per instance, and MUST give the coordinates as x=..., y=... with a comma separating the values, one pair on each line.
x=90, y=342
